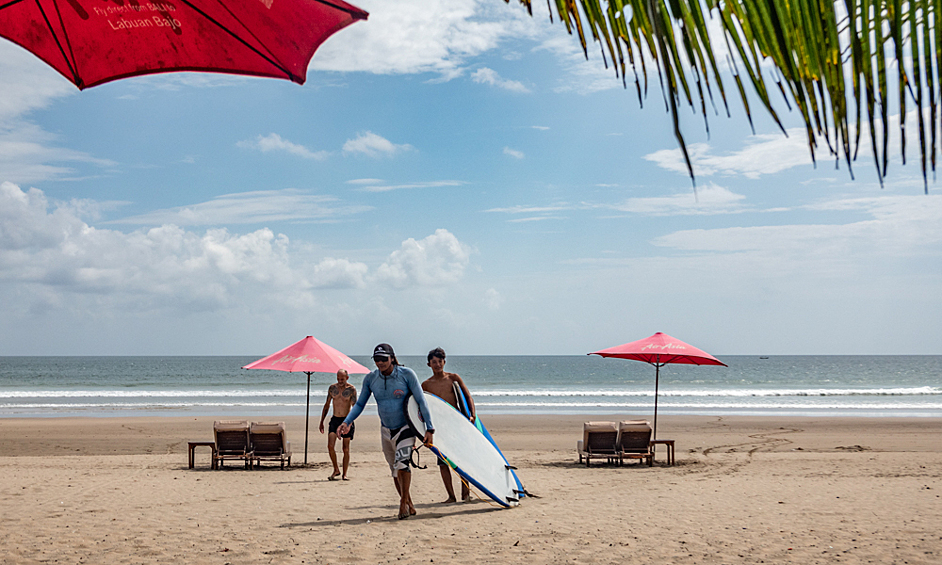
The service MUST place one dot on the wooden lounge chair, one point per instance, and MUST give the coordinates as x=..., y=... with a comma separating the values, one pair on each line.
x=270, y=442
x=232, y=442
x=634, y=441
x=599, y=440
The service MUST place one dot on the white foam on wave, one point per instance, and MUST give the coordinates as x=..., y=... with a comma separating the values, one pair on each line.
x=719, y=405
x=894, y=391
x=132, y=393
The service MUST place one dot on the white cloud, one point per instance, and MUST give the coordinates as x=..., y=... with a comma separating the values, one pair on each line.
x=53, y=261
x=365, y=181
x=707, y=200
x=27, y=152
x=541, y=128
x=530, y=209
x=895, y=228
x=436, y=260
x=492, y=299
x=535, y=219
x=26, y=83
x=251, y=208
x=514, y=153
x=582, y=76
x=339, y=273
x=372, y=145
x=490, y=76
x=420, y=36
x=380, y=187
x=56, y=260
x=544, y=212
x=762, y=155
x=274, y=142
x=767, y=154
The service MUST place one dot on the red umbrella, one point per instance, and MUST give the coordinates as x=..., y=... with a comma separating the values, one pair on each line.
x=91, y=42
x=308, y=356
x=659, y=350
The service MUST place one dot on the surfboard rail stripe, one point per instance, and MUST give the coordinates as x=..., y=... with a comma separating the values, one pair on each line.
x=474, y=482
x=487, y=467
x=463, y=408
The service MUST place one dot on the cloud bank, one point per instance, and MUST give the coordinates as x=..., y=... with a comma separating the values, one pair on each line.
x=50, y=258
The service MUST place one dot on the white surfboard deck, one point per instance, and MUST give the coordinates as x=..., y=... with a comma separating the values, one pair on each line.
x=465, y=447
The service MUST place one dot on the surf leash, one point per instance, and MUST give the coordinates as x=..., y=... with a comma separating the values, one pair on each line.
x=415, y=456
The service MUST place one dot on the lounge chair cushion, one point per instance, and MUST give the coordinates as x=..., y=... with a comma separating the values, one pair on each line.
x=599, y=437
x=634, y=436
x=278, y=428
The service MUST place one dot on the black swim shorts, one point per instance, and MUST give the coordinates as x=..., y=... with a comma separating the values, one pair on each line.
x=335, y=422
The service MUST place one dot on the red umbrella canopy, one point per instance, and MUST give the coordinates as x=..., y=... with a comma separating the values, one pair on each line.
x=309, y=355
x=91, y=42
x=660, y=349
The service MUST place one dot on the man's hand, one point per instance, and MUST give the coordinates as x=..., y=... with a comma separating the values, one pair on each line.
x=321, y=428
x=342, y=429
x=427, y=440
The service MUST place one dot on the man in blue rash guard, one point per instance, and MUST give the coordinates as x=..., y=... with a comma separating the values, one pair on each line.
x=391, y=384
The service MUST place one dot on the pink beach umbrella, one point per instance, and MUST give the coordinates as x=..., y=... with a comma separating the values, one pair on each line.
x=659, y=350
x=308, y=356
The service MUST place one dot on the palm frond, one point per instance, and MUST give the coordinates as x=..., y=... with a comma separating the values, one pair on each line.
x=833, y=60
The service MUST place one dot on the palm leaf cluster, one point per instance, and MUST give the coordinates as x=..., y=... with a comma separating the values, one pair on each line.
x=840, y=64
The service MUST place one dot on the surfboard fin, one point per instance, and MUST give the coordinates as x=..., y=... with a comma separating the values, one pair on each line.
x=511, y=467
x=525, y=492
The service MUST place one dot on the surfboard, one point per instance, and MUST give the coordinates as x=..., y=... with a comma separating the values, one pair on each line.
x=466, y=411
x=466, y=450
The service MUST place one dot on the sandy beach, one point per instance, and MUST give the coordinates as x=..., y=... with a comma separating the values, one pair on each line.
x=744, y=490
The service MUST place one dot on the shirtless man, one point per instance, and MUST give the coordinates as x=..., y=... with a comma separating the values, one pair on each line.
x=442, y=385
x=343, y=395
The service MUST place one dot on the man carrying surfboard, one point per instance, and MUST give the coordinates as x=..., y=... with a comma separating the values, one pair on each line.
x=442, y=385
x=342, y=394
x=392, y=384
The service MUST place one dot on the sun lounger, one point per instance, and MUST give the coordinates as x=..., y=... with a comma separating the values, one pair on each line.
x=634, y=441
x=599, y=440
x=232, y=441
x=270, y=442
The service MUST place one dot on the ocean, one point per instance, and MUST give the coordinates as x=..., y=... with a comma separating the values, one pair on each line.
x=872, y=386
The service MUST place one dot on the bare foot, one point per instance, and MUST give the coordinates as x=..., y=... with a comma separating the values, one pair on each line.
x=450, y=500
x=345, y=478
x=334, y=476
x=405, y=511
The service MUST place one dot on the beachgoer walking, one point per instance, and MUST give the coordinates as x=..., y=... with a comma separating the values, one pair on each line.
x=391, y=384
x=343, y=395
x=442, y=385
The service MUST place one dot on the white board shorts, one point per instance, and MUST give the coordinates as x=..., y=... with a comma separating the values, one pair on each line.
x=397, y=447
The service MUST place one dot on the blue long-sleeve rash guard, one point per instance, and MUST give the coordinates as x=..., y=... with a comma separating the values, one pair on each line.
x=391, y=394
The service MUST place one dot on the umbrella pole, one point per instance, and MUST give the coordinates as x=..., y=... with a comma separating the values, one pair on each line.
x=307, y=415
x=657, y=380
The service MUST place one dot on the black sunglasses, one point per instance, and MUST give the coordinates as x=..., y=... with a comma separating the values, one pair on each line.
x=380, y=358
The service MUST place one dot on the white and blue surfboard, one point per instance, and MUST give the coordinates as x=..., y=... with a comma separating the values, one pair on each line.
x=466, y=410
x=467, y=450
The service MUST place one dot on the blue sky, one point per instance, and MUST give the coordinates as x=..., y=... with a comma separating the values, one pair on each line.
x=455, y=174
